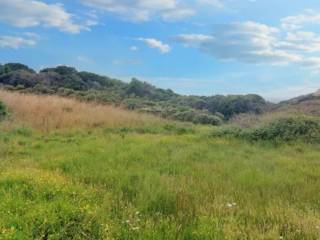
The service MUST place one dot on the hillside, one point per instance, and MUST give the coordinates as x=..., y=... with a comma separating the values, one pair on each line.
x=80, y=170
x=51, y=113
x=306, y=104
x=136, y=95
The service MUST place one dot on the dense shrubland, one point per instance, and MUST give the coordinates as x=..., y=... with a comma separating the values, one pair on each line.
x=136, y=95
x=281, y=129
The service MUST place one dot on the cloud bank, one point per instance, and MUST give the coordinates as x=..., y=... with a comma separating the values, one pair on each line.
x=33, y=13
x=17, y=42
x=146, y=10
x=256, y=43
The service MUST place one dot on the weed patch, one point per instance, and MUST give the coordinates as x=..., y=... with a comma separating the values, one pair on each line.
x=3, y=110
x=39, y=205
x=280, y=130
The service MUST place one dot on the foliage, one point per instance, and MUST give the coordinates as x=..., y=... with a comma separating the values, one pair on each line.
x=204, y=118
x=11, y=67
x=278, y=130
x=235, y=104
x=3, y=110
x=136, y=95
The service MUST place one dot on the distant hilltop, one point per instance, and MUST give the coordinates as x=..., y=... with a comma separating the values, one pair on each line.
x=135, y=95
x=317, y=93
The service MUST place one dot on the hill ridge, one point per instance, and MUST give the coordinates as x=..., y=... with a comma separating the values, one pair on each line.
x=135, y=95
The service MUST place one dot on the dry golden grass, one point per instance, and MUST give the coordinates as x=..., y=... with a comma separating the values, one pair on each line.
x=310, y=107
x=248, y=120
x=47, y=113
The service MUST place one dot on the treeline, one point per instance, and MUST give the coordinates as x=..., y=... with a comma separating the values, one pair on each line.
x=136, y=95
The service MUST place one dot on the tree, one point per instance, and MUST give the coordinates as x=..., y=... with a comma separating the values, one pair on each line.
x=138, y=88
x=10, y=67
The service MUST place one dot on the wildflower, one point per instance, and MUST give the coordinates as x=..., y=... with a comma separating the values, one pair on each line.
x=231, y=205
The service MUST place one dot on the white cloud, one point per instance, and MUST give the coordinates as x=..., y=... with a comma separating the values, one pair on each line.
x=214, y=3
x=154, y=43
x=248, y=42
x=301, y=41
x=144, y=10
x=196, y=37
x=255, y=43
x=16, y=42
x=298, y=21
x=177, y=14
x=193, y=39
x=32, y=13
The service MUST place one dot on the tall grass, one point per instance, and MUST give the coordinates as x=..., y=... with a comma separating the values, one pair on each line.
x=176, y=187
x=106, y=185
x=48, y=113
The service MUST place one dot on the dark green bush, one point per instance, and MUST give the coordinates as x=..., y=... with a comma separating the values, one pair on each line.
x=279, y=130
x=288, y=129
x=10, y=67
x=3, y=110
x=203, y=118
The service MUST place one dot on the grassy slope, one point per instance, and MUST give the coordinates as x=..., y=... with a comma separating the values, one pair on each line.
x=101, y=184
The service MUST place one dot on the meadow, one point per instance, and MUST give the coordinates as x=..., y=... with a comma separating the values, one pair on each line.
x=76, y=170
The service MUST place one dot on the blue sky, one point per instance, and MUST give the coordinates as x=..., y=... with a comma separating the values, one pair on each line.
x=202, y=47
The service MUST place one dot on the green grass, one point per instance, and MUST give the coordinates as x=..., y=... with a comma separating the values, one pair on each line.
x=134, y=184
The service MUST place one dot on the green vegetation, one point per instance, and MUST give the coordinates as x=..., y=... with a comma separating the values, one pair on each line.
x=3, y=110
x=11, y=67
x=78, y=170
x=128, y=185
x=278, y=130
x=157, y=180
x=136, y=95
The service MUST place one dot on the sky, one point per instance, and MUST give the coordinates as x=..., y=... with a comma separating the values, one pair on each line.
x=194, y=47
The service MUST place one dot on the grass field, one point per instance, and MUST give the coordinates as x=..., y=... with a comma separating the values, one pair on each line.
x=103, y=173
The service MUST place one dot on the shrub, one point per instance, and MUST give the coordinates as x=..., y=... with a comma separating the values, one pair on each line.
x=288, y=129
x=280, y=130
x=203, y=118
x=10, y=67
x=3, y=110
